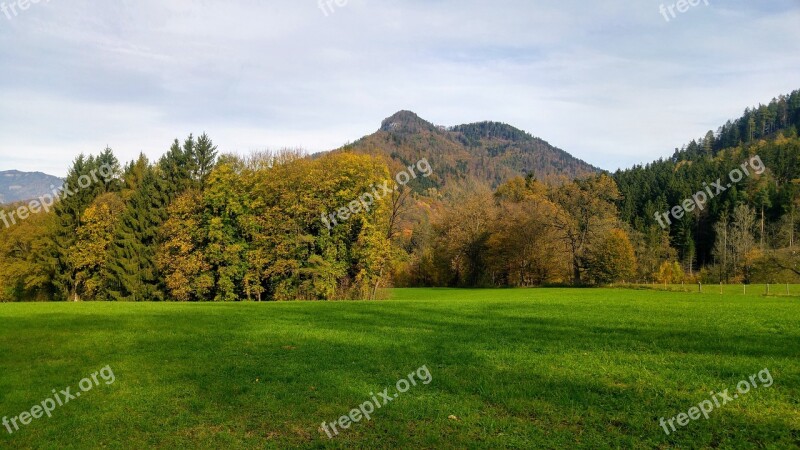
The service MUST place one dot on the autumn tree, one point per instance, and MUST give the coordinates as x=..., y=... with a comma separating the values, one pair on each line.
x=262, y=229
x=611, y=258
x=735, y=248
x=25, y=256
x=463, y=233
x=187, y=274
x=587, y=210
x=524, y=249
x=89, y=255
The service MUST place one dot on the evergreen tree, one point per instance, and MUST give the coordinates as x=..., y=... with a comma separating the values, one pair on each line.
x=84, y=183
x=132, y=267
x=175, y=168
x=205, y=154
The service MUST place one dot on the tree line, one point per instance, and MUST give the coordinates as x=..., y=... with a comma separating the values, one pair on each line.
x=193, y=226
x=198, y=226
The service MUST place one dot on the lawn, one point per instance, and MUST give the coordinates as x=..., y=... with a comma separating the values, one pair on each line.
x=539, y=368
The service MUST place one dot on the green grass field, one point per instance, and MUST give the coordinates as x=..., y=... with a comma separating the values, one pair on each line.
x=542, y=368
x=734, y=290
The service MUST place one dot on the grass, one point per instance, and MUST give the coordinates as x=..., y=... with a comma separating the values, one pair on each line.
x=549, y=368
x=750, y=290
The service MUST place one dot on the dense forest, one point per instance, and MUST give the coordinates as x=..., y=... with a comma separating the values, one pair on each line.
x=753, y=223
x=198, y=226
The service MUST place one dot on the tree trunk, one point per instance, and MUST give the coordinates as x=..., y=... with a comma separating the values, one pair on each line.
x=377, y=282
x=576, y=272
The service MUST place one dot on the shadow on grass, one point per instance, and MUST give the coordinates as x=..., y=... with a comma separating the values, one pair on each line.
x=270, y=374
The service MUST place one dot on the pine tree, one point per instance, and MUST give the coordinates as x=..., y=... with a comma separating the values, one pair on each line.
x=175, y=169
x=132, y=267
x=708, y=144
x=205, y=154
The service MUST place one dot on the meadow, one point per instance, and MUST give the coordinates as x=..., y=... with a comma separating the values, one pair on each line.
x=514, y=368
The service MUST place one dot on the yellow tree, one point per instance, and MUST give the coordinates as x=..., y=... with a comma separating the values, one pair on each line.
x=360, y=243
x=316, y=228
x=89, y=254
x=180, y=258
x=611, y=258
x=24, y=251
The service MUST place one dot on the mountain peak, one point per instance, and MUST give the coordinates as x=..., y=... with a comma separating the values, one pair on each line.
x=405, y=122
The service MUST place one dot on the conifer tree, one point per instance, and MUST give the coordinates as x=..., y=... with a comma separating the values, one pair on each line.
x=132, y=268
x=205, y=154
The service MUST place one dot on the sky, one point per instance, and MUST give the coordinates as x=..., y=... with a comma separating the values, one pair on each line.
x=615, y=83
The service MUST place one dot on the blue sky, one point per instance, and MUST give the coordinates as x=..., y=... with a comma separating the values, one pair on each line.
x=611, y=82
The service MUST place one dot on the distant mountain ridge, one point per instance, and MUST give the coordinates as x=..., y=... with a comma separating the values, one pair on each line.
x=490, y=151
x=17, y=186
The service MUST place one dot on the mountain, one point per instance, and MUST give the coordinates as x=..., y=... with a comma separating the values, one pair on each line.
x=489, y=151
x=17, y=186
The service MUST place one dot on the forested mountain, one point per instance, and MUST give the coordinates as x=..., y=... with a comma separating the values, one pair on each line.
x=700, y=238
x=17, y=186
x=490, y=151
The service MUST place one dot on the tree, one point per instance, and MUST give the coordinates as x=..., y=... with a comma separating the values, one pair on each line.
x=26, y=272
x=132, y=269
x=463, y=232
x=611, y=258
x=187, y=273
x=787, y=260
x=652, y=250
x=82, y=186
x=89, y=255
x=742, y=242
x=205, y=154
x=175, y=169
x=708, y=144
x=735, y=245
x=524, y=249
x=225, y=203
x=587, y=211
x=670, y=272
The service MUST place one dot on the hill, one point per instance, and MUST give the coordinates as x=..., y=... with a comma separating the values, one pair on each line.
x=491, y=151
x=17, y=186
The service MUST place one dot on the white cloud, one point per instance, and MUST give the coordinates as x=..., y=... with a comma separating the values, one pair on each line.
x=612, y=83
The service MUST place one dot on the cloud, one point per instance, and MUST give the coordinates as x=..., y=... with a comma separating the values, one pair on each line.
x=612, y=83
